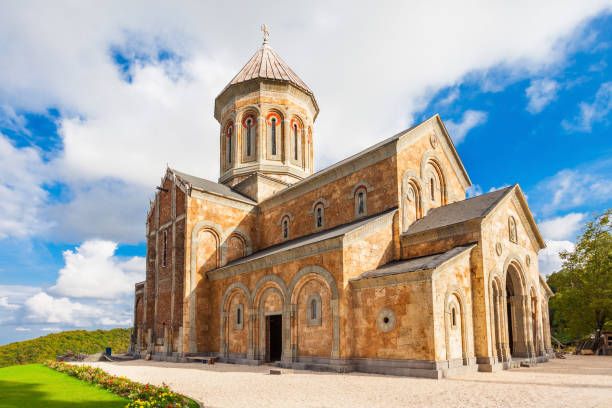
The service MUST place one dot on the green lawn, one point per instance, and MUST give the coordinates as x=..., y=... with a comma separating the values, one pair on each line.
x=35, y=385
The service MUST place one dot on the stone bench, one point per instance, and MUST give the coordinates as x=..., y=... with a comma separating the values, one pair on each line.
x=204, y=360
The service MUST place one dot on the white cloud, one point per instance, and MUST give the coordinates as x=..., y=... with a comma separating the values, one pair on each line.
x=22, y=173
x=92, y=271
x=128, y=131
x=51, y=329
x=470, y=119
x=5, y=304
x=573, y=188
x=23, y=329
x=548, y=258
x=540, y=93
x=43, y=308
x=473, y=191
x=593, y=112
x=562, y=228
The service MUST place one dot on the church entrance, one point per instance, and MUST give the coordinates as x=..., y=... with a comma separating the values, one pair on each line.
x=274, y=343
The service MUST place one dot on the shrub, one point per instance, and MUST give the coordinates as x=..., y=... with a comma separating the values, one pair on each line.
x=140, y=395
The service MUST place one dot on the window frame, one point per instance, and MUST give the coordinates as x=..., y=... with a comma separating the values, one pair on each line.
x=318, y=321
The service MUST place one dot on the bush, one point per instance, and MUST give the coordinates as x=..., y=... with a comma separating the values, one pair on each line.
x=140, y=395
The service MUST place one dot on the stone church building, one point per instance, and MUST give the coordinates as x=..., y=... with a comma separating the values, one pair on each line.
x=376, y=264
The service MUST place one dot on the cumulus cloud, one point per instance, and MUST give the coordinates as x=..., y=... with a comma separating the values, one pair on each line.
x=22, y=174
x=573, y=188
x=593, y=112
x=473, y=191
x=4, y=303
x=548, y=258
x=469, y=120
x=540, y=93
x=562, y=228
x=43, y=308
x=23, y=329
x=124, y=121
x=92, y=271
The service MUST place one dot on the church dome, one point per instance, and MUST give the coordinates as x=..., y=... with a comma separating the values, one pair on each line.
x=266, y=64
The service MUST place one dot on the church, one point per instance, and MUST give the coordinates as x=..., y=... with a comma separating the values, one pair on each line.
x=376, y=264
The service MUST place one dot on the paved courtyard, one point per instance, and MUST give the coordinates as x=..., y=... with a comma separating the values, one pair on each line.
x=578, y=381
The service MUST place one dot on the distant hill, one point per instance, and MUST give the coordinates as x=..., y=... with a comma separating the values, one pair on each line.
x=52, y=345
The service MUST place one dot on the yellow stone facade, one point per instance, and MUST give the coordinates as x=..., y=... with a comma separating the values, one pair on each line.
x=376, y=264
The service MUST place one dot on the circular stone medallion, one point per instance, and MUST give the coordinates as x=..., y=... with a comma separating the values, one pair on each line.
x=385, y=320
x=410, y=194
x=498, y=248
x=433, y=140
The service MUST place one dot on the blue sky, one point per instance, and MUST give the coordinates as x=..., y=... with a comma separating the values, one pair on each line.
x=90, y=118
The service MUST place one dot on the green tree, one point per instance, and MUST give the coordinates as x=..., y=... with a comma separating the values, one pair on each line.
x=582, y=303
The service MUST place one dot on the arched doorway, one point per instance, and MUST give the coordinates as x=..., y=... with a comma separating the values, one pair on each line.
x=517, y=312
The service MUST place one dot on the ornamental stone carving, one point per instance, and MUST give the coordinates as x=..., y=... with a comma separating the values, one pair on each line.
x=386, y=320
x=498, y=249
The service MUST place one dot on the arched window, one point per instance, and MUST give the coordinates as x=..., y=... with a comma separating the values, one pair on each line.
x=248, y=136
x=228, y=141
x=313, y=310
x=239, y=317
x=432, y=188
x=361, y=207
x=295, y=141
x=454, y=317
x=512, y=229
x=285, y=228
x=319, y=216
x=273, y=141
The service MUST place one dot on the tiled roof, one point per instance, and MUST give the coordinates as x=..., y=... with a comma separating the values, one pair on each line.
x=212, y=187
x=422, y=263
x=312, y=238
x=460, y=211
x=266, y=64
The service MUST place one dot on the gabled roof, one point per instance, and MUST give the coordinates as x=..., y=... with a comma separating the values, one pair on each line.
x=312, y=238
x=458, y=212
x=266, y=64
x=211, y=187
x=422, y=263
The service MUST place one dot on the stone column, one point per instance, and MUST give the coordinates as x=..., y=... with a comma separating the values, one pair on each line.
x=261, y=139
x=251, y=353
x=236, y=144
x=292, y=349
x=180, y=343
x=286, y=141
x=149, y=340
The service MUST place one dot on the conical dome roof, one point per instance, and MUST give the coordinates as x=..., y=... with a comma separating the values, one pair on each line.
x=266, y=64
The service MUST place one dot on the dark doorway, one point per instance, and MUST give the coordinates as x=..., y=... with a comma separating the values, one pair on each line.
x=509, y=296
x=275, y=337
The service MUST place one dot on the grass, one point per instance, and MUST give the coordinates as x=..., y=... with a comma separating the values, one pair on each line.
x=34, y=385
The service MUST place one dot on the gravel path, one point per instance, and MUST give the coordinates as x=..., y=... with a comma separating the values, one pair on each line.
x=578, y=381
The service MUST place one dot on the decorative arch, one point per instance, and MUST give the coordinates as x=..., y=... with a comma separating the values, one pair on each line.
x=497, y=299
x=274, y=133
x=455, y=291
x=225, y=313
x=318, y=201
x=430, y=157
x=410, y=182
x=297, y=138
x=320, y=273
x=357, y=186
x=243, y=235
x=268, y=278
x=215, y=229
x=516, y=311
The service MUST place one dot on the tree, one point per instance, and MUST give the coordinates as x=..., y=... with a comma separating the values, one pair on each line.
x=582, y=303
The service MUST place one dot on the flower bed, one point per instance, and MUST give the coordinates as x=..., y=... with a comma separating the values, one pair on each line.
x=140, y=395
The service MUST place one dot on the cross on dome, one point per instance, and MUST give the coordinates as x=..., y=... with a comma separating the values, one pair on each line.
x=266, y=32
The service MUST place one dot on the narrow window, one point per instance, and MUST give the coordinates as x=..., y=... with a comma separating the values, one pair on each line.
x=454, y=317
x=248, y=122
x=238, y=315
x=360, y=203
x=295, y=141
x=273, y=136
x=285, y=228
x=319, y=217
x=431, y=187
x=165, y=248
x=229, y=144
x=313, y=309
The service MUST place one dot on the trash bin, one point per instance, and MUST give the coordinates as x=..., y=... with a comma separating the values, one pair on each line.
x=108, y=351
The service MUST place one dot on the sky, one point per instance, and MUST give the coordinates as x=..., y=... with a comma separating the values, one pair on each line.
x=97, y=98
